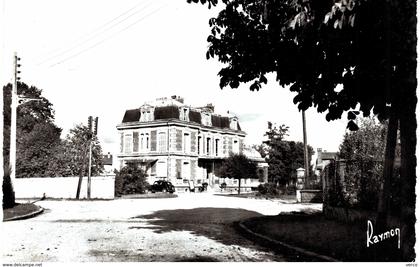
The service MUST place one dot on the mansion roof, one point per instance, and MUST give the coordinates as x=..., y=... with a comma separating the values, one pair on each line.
x=173, y=110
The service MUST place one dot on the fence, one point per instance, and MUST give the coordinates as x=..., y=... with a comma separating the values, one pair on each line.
x=356, y=184
x=102, y=187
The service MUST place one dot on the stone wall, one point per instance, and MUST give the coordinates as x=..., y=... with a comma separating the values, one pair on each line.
x=102, y=187
x=309, y=196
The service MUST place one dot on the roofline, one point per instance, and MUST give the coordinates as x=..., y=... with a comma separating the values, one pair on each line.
x=177, y=122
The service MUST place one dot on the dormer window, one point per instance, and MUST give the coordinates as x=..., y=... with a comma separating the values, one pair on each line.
x=234, y=123
x=206, y=119
x=184, y=113
x=146, y=113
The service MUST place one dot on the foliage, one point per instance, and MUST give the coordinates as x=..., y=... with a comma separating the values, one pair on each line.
x=8, y=192
x=363, y=152
x=238, y=166
x=269, y=189
x=283, y=157
x=316, y=45
x=131, y=179
x=74, y=153
x=37, y=135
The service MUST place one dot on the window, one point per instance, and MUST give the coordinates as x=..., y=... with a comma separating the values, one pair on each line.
x=128, y=145
x=184, y=114
x=142, y=142
x=162, y=142
x=206, y=119
x=146, y=114
x=208, y=143
x=186, y=170
x=187, y=143
x=161, y=169
x=234, y=124
x=199, y=145
x=235, y=146
x=217, y=147
x=147, y=141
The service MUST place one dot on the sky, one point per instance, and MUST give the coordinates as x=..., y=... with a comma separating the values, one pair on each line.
x=101, y=57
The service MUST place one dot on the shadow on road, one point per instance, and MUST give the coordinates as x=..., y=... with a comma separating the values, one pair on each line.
x=213, y=223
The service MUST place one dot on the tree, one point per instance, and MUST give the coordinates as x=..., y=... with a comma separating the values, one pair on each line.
x=283, y=157
x=238, y=166
x=363, y=152
x=131, y=179
x=37, y=135
x=366, y=46
x=74, y=153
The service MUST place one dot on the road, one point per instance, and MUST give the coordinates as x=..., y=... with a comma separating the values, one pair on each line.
x=192, y=227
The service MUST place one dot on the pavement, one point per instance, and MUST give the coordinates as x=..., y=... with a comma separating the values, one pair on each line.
x=192, y=227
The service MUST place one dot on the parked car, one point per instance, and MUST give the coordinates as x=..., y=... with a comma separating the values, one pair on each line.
x=162, y=186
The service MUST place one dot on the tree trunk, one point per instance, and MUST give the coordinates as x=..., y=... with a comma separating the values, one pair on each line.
x=239, y=186
x=384, y=194
x=408, y=127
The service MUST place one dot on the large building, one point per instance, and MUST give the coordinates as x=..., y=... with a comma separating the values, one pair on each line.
x=183, y=144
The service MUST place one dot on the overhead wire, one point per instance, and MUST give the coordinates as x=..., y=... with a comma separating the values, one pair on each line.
x=107, y=38
x=99, y=30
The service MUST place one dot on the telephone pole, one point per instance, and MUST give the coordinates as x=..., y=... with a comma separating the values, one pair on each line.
x=13, y=106
x=305, y=148
x=92, y=132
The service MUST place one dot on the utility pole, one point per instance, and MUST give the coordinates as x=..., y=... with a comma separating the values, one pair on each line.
x=92, y=131
x=305, y=148
x=13, y=106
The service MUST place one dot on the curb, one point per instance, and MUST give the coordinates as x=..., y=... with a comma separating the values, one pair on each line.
x=26, y=216
x=289, y=247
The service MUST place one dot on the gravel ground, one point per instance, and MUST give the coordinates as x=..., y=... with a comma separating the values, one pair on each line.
x=192, y=227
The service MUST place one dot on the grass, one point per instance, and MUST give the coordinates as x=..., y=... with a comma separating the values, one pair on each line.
x=19, y=210
x=345, y=242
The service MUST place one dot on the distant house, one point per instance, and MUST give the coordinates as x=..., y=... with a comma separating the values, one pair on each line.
x=323, y=159
x=107, y=162
x=179, y=143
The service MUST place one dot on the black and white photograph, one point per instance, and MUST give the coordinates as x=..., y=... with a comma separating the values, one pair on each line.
x=209, y=131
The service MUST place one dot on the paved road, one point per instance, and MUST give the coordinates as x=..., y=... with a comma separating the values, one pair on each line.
x=192, y=227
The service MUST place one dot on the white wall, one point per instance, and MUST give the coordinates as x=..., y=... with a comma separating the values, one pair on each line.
x=63, y=187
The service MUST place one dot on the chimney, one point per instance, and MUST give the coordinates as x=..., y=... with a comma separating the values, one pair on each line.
x=210, y=106
x=178, y=98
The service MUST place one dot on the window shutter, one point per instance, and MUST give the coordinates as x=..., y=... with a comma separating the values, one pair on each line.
x=135, y=142
x=241, y=146
x=178, y=169
x=193, y=168
x=153, y=140
x=193, y=141
x=178, y=140
x=122, y=142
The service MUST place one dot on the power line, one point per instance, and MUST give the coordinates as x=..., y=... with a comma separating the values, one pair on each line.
x=106, y=39
x=93, y=34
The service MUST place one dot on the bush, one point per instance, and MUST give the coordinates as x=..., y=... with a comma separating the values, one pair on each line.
x=8, y=192
x=269, y=189
x=290, y=190
x=130, y=180
x=223, y=185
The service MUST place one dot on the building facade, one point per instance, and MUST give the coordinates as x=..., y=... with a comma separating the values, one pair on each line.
x=179, y=143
